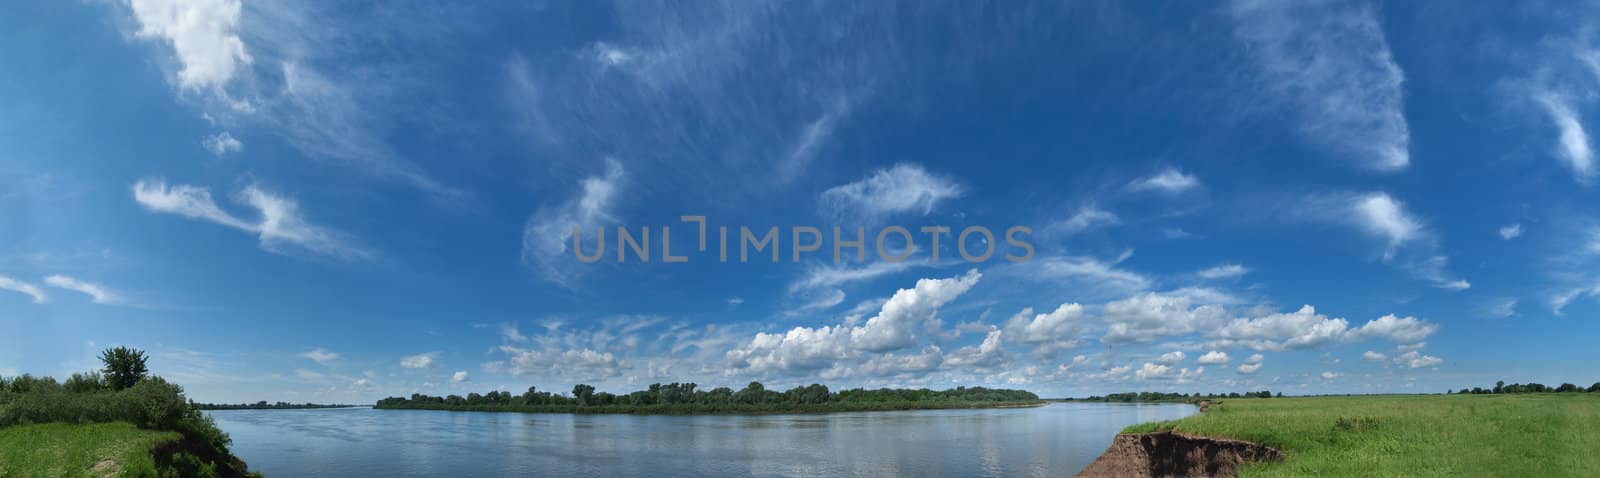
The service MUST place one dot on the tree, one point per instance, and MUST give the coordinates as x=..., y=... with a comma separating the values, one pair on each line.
x=583, y=393
x=124, y=366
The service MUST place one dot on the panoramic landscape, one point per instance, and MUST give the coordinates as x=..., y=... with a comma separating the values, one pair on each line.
x=798, y=238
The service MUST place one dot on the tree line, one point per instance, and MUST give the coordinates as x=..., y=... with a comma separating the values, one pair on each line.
x=263, y=405
x=1173, y=397
x=124, y=391
x=1503, y=387
x=690, y=398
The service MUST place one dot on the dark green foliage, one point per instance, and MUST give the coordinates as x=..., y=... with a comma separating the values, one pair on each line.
x=126, y=393
x=1175, y=397
x=689, y=398
x=1355, y=424
x=124, y=366
x=1503, y=387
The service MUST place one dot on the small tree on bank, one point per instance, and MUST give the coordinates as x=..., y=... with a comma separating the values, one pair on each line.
x=124, y=367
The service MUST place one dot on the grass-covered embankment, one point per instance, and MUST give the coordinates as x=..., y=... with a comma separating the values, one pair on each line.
x=72, y=450
x=94, y=424
x=1551, y=434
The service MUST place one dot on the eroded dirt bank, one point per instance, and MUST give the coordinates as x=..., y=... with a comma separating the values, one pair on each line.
x=1164, y=454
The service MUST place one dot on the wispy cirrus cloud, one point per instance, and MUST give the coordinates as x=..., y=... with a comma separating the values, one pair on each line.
x=1330, y=65
x=280, y=227
x=547, y=235
x=1407, y=241
x=902, y=188
x=30, y=290
x=98, y=293
x=263, y=65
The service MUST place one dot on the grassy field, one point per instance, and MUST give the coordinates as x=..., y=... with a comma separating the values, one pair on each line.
x=59, y=449
x=1545, y=434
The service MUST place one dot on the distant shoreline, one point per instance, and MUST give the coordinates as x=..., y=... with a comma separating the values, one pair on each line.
x=271, y=406
x=727, y=409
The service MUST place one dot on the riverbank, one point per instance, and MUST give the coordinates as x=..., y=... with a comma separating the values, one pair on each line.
x=715, y=409
x=1550, y=434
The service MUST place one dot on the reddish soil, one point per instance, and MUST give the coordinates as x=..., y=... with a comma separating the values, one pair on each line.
x=1168, y=454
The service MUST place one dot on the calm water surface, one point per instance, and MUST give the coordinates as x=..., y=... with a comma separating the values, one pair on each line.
x=1054, y=440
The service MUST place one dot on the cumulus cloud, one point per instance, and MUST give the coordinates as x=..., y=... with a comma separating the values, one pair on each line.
x=1171, y=358
x=1415, y=359
x=1149, y=316
x=459, y=376
x=98, y=293
x=1049, y=333
x=1301, y=329
x=321, y=356
x=899, y=189
x=222, y=143
x=1372, y=356
x=1330, y=65
x=422, y=360
x=24, y=288
x=908, y=314
x=1397, y=329
x=1331, y=375
x=280, y=227
x=547, y=235
x=1252, y=365
x=1214, y=357
x=1224, y=271
x=203, y=33
x=1168, y=181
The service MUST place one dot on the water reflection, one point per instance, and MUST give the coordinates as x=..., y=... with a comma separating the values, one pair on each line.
x=1054, y=440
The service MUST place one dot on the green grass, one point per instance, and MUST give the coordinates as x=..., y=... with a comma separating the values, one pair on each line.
x=60, y=449
x=1545, y=434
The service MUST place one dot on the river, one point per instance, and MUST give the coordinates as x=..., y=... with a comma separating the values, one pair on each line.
x=1054, y=440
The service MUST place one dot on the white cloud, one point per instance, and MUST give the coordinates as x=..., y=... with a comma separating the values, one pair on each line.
x=897, y=323
x=24, y=288
x=907, y=315
x=580, y=363
x=1372, y=356
x=1384, y=217
x=1397, y=329
x=1500, y=308
x=1048, y=333
x=422, y=360
x=509, y=333
x=1575, y=149
x=280, y=222
x=1302, y=329
x=1511, y=232
x=203, y=33
x=222, y=143
x=1150, y=371
x=1415, y=359
x=320, y=356
x=1087, y=217
x=1331, y=66
x=1224, y=271
x=1149, y=316
x=97, y=292
x=1171, y=358
x=459, y=376
x=1168, y=181
x=1331, y=375
x=1252, y=365
x=547, y=235
x=1083, y=275
x=1214, y=357
x=905, y=187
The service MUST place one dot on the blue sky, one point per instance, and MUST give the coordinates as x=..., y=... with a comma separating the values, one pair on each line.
x=310, y=201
